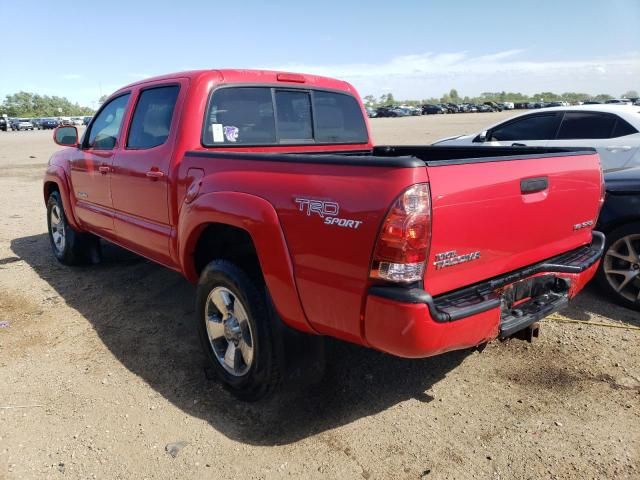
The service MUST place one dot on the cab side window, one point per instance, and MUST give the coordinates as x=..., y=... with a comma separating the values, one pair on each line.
x=105, y=127
x=152, y=117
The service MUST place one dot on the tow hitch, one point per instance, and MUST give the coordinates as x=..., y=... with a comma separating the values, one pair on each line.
x=529, y=333
x=524, y=303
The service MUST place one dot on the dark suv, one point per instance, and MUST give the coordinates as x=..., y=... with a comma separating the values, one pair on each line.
x=48, y=123
x=4, y=124
x=619, y=271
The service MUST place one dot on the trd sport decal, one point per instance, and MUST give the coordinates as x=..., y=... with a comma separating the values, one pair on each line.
x=326, y=210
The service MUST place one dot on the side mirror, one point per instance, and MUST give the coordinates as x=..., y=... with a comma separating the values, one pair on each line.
x=483, y=136
x=66, y=136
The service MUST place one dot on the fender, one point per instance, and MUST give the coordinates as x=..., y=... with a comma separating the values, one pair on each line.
x=259, y=219
x=58, y=176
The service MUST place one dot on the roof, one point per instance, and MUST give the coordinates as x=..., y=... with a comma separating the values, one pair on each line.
x=250, y=76
x=601, y=107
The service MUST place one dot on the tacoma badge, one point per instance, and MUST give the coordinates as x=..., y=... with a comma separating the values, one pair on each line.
x=451, y=258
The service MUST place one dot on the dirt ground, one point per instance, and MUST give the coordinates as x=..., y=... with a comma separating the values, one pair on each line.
x=100, y=372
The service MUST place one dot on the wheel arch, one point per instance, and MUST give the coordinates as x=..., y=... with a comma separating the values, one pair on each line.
x=253, y=223
x=55, y=179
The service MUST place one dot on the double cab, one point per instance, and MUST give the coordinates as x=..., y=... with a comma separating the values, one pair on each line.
x=265, y=189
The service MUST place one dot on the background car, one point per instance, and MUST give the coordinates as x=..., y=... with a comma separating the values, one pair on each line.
x=508, y=105
x=22, y=124
x=386, y=112
x=494, y=106
x=430, y=109
x=453, y=108
x=402, y=112
x=49, y=123
x=87, y=120
x=37, y=123
x=4, y=124
x=614, y=130
x=619, y=270
x=619, y=101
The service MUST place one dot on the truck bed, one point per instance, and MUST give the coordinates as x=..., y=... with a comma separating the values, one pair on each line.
x=481, y=210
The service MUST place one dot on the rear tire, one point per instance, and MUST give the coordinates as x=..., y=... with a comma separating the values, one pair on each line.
x=69, y=246
x=619, y=270
x=234, y=324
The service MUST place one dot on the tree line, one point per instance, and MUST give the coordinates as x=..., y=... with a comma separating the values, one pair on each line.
x=33, y=105
x=454, y=97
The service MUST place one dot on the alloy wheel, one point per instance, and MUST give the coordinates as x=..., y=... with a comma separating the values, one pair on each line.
x=622, y=267
x=229, y=331
x=57, y=228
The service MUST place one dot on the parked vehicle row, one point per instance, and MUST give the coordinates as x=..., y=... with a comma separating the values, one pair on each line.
x=256, y=186
x=435, y=109
x=18, y=124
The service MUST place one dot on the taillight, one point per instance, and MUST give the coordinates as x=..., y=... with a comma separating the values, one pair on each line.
x=403, y=243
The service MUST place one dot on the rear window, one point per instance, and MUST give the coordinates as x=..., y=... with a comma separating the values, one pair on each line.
x=586, y=125
x=623, y=128
x=282, y=116
x=294, y=116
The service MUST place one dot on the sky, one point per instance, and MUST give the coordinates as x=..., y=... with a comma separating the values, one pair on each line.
x=413, y=49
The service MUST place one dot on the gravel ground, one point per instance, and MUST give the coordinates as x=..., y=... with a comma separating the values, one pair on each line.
x=101, y=376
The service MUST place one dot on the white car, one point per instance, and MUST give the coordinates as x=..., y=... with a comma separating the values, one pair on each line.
x=613, y=130
x=619, y=101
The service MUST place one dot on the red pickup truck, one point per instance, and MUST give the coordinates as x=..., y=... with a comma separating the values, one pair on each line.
x=265, y=189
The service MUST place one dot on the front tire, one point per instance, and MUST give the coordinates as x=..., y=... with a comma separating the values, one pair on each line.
x=619, y=270
x=234, y=325
x=69, y=246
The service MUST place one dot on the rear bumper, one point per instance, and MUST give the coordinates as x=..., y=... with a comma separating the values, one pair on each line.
x=408, y=322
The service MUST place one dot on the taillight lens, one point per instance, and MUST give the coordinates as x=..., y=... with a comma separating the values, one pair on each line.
x=405, y=236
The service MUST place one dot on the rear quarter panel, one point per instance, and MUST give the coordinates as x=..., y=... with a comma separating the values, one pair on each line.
x=331, y=263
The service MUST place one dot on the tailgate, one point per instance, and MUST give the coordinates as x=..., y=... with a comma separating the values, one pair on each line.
x=497, y=216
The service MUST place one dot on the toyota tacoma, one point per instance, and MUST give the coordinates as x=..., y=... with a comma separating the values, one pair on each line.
x=264, y=189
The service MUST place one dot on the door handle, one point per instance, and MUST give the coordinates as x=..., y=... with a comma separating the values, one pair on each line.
x=104, y=169
x=624, y=148
x=533, y=185
x=518, y=144
x=155, y=174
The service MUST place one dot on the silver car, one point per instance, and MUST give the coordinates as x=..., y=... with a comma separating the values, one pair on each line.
x=22, y=124
x=613, y=130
